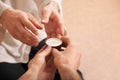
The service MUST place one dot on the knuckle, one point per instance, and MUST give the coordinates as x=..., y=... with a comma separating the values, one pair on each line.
x=20, y=16
x=25, y=21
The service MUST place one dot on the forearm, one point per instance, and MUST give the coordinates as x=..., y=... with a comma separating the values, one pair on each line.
x=31, y=74
x=67, y=73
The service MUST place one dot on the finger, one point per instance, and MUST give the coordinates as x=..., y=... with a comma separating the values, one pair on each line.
x=35, y=22
x=50, y=63
x=42, y=48
x=45, y=15
x=26, y=22
x=26, y=37
x=66, y=41
x=46, y=51
x=59, y=21
x=60, y=30
x=55, y=53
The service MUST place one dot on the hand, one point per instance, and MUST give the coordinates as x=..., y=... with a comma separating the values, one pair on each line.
x=21, y=26
x=67, y=61
x=43, y=62
x=48, y=73
x=53, y=21
x=41, y=67
x=69, y=57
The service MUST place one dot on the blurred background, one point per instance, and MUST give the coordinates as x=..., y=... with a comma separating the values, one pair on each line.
x=94, y=26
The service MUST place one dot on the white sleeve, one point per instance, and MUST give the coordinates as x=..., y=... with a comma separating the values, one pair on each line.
x=59, y=2
x=43, y=3
x=3, y=7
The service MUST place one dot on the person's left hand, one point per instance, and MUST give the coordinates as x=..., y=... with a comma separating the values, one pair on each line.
x=44, y=62
x=52, y=20
x=41, y=67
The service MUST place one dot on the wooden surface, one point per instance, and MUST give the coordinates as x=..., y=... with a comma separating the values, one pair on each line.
x=94, y=25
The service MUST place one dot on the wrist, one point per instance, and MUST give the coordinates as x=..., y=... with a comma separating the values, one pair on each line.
x=55, y=6
x=4, y=14
x=65, y=72
x=6, y=11
x=68, y=73
x=65, y=68
x=30, y=74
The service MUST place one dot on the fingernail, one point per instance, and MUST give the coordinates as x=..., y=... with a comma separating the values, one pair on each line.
x=43, y=21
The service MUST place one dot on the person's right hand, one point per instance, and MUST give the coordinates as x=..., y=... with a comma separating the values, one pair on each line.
x=67, y=61
x=21, y=26
x=69, y=57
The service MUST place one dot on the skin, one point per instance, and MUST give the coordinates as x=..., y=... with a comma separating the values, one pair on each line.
x=24, y=27
x=67, y=61
x=17, y=22
x=52, y=20
x=39, y=68
x=47, y=60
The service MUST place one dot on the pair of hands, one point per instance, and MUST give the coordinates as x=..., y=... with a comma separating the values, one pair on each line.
x=47, y=60
x=24, y=27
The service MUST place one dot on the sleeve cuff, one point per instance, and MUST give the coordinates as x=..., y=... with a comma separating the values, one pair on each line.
x=59, y=2
x=3, y=7
x=43, y=3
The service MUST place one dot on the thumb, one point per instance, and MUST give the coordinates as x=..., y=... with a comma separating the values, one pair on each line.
x=45, y=51
x=45, y=16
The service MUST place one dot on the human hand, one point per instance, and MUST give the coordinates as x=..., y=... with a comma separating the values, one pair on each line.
x=52, y=20
x=67, y=61
x=69, y=57
x=43, y=64
x=21, y=26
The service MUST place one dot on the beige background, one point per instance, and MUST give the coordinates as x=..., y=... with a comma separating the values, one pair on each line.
x=94, y=25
